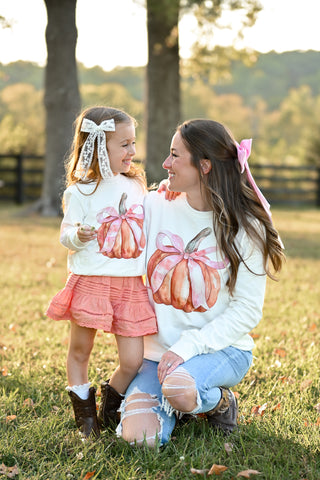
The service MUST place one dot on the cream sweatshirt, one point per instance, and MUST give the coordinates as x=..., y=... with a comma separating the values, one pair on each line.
x=94, y=210
x=227, y=320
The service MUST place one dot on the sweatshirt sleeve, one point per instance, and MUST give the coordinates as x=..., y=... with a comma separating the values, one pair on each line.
x=243, y=313
x=74, y=214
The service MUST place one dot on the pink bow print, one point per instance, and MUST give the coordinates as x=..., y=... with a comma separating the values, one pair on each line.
x=109, y=214
x=178, y=254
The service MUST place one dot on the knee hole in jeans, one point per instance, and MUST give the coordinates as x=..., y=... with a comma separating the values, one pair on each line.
x=140, y=424
x=179, y=389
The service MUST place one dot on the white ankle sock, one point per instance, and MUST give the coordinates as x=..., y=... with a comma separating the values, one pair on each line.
x=81, y=390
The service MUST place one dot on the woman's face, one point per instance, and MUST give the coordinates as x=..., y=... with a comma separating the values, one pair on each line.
x=182, y=175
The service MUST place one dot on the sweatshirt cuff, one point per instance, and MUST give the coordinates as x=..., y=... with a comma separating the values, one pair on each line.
x=71, y=240
x=77, y=243
x=185, y=349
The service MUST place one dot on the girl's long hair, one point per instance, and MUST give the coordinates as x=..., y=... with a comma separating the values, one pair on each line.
x=98, y=114
x=233, y=201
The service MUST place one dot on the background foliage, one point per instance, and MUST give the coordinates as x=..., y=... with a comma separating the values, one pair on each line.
x=275, y=100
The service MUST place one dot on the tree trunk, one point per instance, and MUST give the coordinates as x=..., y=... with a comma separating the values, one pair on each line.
x=163, y=83
x=62, y=98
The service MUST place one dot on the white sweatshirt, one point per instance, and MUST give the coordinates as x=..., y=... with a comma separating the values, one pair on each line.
x=231, y=318
x=82, y=208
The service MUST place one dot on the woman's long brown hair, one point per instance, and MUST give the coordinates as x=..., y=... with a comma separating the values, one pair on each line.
x=233, y=201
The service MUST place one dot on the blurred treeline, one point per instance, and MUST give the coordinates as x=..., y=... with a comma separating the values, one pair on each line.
x=275, y=100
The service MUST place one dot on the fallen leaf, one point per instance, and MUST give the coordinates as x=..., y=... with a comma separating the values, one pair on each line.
x=313, y=327
x=199, y=472
x=13, y=327
x=247, y=473
x=280, y=351
x=259, y=409
x=228, y=447
x=12, y=471
x=28, y=402
x=217, y=469
x=4, y=371
x=254, y=335
x=10, y=418
x=201, y=415
x=9, y=472
x=89, y=475
x=236, y=394
x=276, y=407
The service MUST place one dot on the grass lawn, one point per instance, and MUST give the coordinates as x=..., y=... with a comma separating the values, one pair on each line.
x=279, y=399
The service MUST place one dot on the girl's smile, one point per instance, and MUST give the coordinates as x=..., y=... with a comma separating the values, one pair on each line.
x=121, y=147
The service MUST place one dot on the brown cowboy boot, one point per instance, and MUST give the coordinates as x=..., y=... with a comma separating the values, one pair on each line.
x=224, y=416
x=85, y=413
x=110, y=402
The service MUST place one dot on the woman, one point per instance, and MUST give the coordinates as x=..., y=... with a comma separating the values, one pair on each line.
x=208, y=257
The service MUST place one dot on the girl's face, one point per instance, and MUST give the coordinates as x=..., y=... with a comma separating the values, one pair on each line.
x=121, y=147
x=183, y=176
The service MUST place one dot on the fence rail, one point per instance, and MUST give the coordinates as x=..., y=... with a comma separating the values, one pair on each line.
x=21, y=178
x=289, y=185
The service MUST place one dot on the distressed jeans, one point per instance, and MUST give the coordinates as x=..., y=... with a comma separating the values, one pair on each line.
x=224, y=368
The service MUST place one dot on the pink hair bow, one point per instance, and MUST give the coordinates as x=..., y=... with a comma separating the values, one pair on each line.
x=244, y=150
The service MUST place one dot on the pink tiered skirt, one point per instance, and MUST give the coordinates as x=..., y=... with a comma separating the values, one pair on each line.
x=118, y=305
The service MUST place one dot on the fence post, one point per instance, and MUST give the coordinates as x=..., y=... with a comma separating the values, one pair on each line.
x=19, y=183
x=318, y=188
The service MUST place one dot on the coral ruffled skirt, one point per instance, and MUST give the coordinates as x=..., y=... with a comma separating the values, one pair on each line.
x=118, y=305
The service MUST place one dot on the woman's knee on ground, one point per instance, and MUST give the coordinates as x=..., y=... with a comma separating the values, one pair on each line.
x=140, y=424
x=179, y=388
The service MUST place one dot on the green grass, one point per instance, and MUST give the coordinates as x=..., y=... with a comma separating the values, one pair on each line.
x=41, y=440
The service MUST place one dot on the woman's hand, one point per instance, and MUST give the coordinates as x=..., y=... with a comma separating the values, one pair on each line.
x=86, y=233
x=169, y=362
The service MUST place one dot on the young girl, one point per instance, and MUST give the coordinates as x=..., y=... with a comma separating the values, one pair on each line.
x=102, y=228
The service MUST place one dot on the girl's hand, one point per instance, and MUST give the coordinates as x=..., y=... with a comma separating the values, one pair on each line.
x=86, y=233
x=169, y=362
x=163, y=187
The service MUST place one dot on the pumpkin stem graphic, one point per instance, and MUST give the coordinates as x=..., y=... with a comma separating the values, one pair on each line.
x=193, y=245
x=122, y=204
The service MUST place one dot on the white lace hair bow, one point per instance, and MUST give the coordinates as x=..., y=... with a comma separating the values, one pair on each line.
x=95, y=132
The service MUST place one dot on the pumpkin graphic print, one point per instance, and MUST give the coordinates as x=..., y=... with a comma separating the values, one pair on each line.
x=121, y=233
x=184, y=277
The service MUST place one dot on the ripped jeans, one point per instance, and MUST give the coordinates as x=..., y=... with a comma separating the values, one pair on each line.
x=147, y=414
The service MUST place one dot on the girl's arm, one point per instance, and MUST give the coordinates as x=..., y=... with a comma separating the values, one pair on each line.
x=163, y=188
x=74, y=215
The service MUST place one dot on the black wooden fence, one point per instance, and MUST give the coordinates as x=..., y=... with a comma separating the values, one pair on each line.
x=21, y=179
